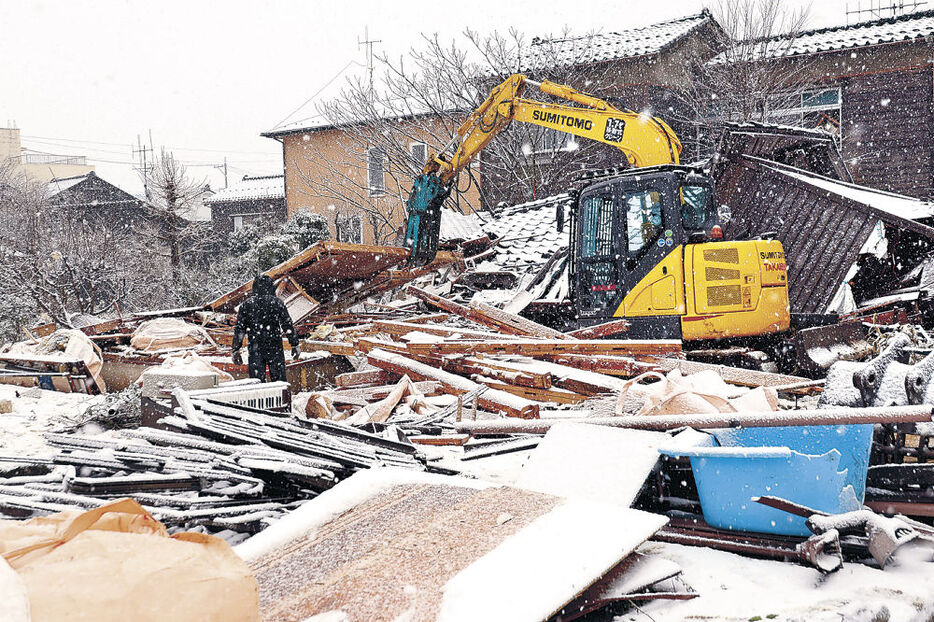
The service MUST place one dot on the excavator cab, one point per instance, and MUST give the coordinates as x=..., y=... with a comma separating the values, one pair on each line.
x=626, y=227
x=645, y=246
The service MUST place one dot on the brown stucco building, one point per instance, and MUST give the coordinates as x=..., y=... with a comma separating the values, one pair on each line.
x=870, y=84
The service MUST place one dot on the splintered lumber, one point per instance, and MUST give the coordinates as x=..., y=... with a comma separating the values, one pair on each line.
x=497, y=371
x=821, y=416
x=404, y=328
x=360, y=378
x=572, y=379
x=494, y=400
x=600, y=331
x=498, y=319
x=733, y=375
x=558, y=396
x=427, y=317
x=610, y=365
x=545, y=347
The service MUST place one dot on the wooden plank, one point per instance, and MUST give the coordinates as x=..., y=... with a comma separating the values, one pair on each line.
x=370, y=376
x=542, y=347
x=608, y=329
x=334, y=347
x=443, y=439
x=494, y=400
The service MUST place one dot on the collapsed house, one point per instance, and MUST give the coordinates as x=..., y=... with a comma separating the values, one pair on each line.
x=437, y=452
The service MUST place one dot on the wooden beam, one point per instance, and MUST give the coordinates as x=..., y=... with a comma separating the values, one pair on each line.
x=542, y=347
x=706, y=421
x=334, y=347
x=494, y=400
x=608, y=329
x=498, y=319
x=519, y=324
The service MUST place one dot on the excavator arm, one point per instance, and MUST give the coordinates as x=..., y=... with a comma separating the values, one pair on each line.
x=644, y=140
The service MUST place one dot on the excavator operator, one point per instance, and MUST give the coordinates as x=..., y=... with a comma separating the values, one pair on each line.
x=264, y=319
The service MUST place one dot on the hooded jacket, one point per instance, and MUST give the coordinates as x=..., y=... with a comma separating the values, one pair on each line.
x=263, y=318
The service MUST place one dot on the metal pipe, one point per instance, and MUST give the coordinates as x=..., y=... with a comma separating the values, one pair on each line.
x=822, y=416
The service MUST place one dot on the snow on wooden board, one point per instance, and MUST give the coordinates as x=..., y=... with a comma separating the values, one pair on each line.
x=535, y=572
x=581, y=461
x=387, y=543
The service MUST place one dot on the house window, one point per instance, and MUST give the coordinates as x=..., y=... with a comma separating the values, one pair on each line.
x=375, y=170
x=550, y=141
x=237, y=223
x=419, y=154
x=813, y=108
x=349, y=228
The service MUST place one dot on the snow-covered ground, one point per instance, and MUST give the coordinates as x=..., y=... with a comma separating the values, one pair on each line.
x=36, y=412
x=734, y=587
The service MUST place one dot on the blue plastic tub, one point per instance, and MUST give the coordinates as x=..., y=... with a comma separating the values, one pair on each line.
x=822, y=467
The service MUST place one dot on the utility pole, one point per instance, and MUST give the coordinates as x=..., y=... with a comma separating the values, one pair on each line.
x=223, y=167
x=143, y=164
x=368, y=43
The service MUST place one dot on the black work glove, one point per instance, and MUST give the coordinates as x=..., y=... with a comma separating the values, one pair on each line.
x=237, y=357
x=296, y=352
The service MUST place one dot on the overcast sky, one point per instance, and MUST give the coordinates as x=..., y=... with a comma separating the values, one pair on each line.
x=86, y=77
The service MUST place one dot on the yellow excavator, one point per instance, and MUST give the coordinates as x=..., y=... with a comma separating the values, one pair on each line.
x=645, y=245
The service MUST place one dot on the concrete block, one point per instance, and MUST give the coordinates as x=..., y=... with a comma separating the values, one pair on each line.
x=157, y=381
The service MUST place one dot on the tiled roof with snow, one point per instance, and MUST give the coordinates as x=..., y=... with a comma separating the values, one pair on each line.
x=457, y=227
x=528, y=233
x=251, y=189
x=875, y=32
x=613, y=45
x=58, y=185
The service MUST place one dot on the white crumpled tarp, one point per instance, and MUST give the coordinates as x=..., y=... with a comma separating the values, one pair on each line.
x=168, y=333
x=66, y=343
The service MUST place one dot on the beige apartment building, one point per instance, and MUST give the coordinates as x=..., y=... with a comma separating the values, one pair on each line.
x=38, y=167
x=359, y=188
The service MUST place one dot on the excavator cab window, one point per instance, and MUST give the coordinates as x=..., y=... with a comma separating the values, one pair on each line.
x=698, y=212
x=644, y=222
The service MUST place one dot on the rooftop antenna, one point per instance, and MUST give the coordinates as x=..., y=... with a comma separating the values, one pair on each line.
x=368, y=43
x=877, y=9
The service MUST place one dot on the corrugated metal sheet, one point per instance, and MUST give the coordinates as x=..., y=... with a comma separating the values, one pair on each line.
x=821, y=227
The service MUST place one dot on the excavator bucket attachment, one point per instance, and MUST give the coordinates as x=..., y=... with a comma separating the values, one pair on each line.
x=423, y=225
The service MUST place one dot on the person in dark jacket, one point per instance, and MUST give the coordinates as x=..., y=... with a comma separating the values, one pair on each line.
x=263, y=319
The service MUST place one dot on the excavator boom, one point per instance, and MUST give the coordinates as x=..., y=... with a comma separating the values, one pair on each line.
x=644, y=140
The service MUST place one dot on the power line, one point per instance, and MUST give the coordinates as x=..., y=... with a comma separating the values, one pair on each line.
x=75, y=140
x=318, y=92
